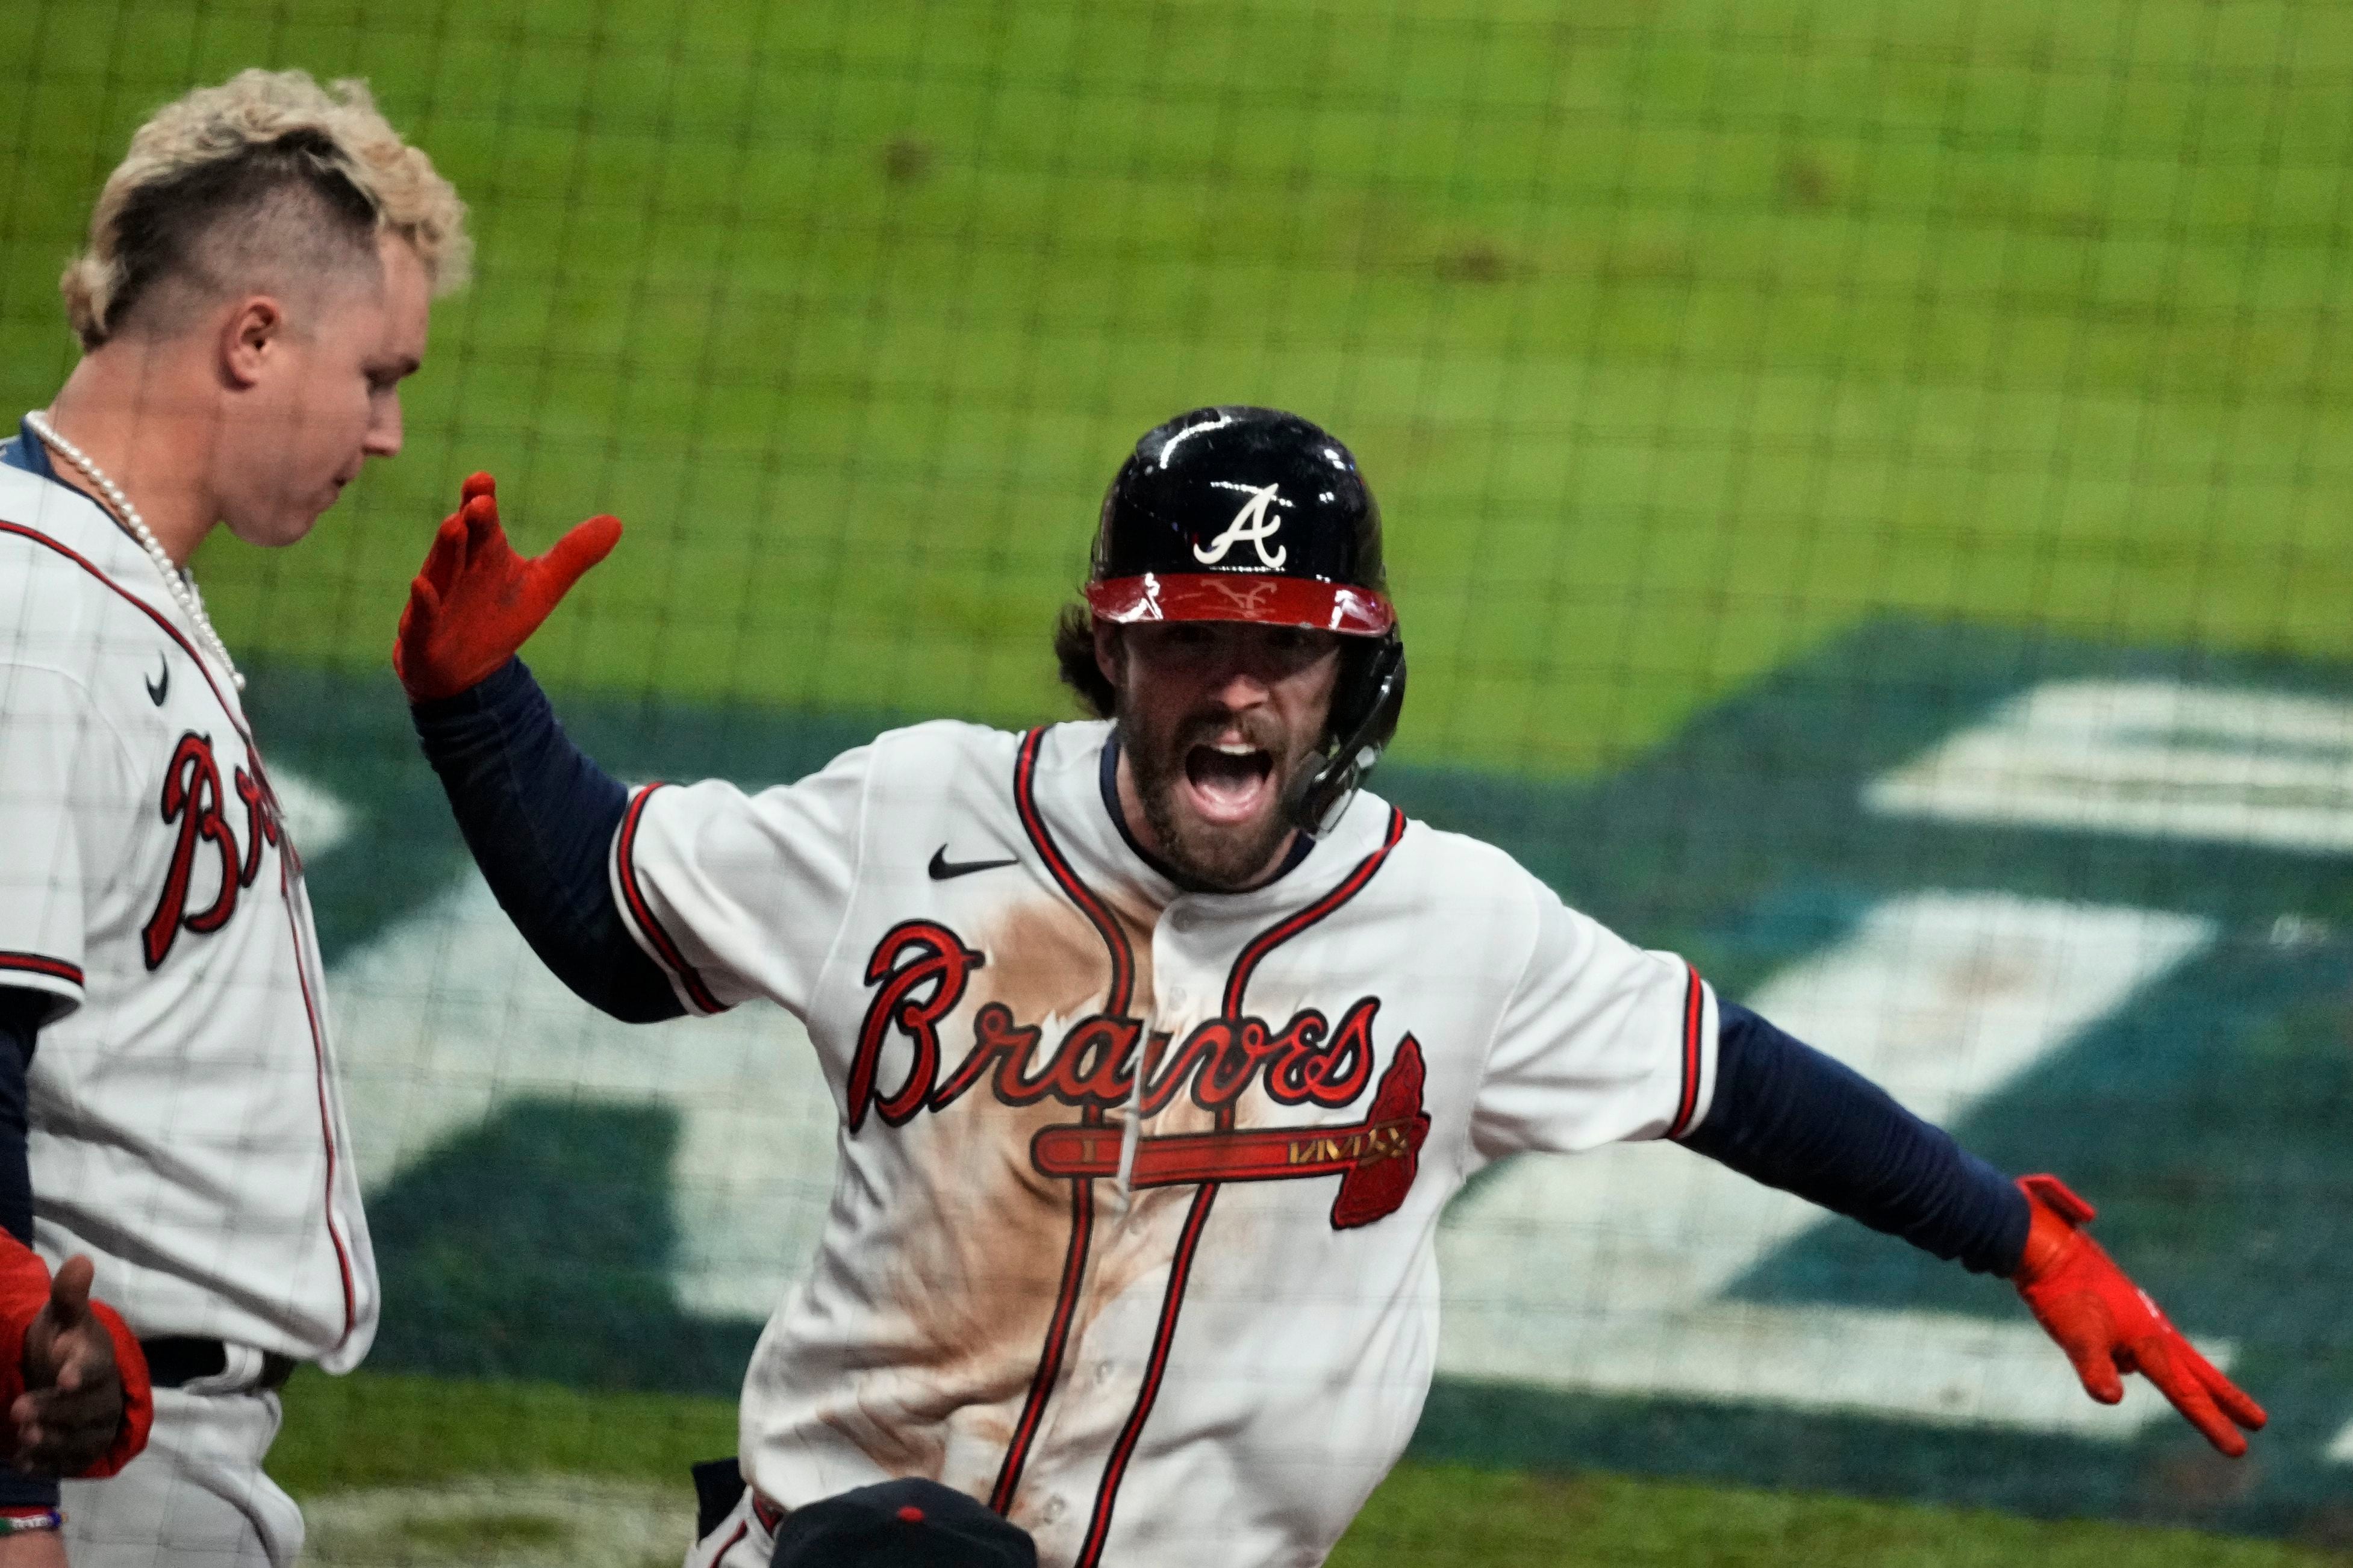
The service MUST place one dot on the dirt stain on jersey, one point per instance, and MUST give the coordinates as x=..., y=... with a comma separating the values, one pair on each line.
x=1046, y=959
x=975, y=1297
x=971, y=1291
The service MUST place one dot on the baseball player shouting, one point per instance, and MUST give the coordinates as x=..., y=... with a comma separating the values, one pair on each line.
x=253, y=291
x=1158, y=1045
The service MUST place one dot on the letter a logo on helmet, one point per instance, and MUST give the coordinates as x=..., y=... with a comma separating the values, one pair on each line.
x=1254, y=523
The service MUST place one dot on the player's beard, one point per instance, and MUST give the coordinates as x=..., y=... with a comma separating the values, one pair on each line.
x=1227, y=857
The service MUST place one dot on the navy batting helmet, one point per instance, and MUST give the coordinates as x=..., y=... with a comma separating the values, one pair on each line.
x=1252, y=514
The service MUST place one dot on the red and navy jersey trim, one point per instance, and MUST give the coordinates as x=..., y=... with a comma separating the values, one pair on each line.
x=163, y=623
x=1282, y=931
x=1164, y=1337
x=326, y=1129
x=641, y=910
x=1116, y=1000
x=1114, y=938
x=1694, y=1017
x=1180, y=1268
x=35, y=963
x=1049, y=1356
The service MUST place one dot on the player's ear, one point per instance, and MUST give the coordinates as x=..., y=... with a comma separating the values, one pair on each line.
x=249, y=337
x=1107, y=649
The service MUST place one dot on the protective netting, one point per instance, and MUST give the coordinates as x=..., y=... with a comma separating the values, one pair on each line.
x=1867, y=494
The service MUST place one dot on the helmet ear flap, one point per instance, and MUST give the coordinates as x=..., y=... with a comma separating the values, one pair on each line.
x=1367, y=702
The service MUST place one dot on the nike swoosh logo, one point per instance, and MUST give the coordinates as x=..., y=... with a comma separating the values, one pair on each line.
x=942, y=868
x=156, y=689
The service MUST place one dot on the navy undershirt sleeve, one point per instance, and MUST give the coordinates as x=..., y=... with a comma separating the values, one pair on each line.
x=540, y=816
x=21, y=1013
x=1788, y=1116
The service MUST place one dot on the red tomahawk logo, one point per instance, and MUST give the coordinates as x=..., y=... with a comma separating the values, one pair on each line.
x=1376, y=1159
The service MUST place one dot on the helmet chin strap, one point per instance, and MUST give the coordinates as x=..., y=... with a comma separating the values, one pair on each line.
x=1317, y=800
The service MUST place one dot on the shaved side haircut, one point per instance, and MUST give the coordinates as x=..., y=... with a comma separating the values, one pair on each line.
x=266, y=183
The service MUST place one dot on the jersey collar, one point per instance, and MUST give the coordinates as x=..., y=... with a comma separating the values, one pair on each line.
x=1087, y=831
x=26, y=451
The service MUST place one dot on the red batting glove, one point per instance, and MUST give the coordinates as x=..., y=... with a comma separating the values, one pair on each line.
x=33, y=1310
x=2108, y=1325
x=476, y=601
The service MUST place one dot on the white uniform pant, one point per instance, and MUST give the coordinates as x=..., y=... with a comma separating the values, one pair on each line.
x=195, y=1499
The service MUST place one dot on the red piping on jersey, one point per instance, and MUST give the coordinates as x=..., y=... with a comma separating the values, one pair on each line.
x=326, y=1128
x=1694, y=1011
x=135, y=602
x=1025, y=800
x=667, y=950
x=1115, y=1005
x=1049, y=1360
x=1274, y=936
x=1181, y=1266
x=34, y=964
x=253, y=751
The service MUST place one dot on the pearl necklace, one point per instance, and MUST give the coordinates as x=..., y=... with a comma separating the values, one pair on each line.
x=183, y=586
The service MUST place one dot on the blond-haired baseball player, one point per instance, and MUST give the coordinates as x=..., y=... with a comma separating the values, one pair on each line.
x=253, y=292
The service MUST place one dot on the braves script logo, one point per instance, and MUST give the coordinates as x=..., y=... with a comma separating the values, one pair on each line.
x=1255, y=523
x=920, y=969
x=193, y=799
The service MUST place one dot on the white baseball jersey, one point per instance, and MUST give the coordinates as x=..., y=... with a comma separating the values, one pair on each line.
x=185, y=1128
x=1174, y=1316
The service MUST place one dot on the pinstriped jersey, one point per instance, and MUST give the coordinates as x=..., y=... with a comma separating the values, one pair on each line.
x=185, y=1129
x=1132, y=1232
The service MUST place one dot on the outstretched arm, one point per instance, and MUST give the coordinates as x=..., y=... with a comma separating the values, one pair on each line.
x=1788, y=1116
x=540, y=816
x=538, y=813
x=1793, y=1118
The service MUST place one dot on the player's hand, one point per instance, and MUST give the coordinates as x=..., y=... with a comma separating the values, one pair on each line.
x=476, y=601
x=67, y=1418
x=2108, y=1325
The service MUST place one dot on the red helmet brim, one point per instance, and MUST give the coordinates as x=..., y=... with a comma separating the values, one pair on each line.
x=1266, y=600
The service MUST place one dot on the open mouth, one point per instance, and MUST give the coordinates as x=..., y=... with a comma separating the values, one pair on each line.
x=1230, y=782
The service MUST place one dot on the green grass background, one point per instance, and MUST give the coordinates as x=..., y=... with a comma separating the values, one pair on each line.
x=376, y=1430
x=1675, y=336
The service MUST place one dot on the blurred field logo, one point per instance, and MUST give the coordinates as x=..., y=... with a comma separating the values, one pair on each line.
x=2084, y=909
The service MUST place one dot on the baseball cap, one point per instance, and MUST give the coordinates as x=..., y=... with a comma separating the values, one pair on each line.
x=900, y=1524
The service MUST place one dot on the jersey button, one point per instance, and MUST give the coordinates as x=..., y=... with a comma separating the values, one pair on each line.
x=1053, y=1511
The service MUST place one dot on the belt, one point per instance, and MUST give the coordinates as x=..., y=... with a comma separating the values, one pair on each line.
x=719, y=1485
x=175, y=1361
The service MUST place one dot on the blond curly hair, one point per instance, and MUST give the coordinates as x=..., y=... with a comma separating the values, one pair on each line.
x=267, y=178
